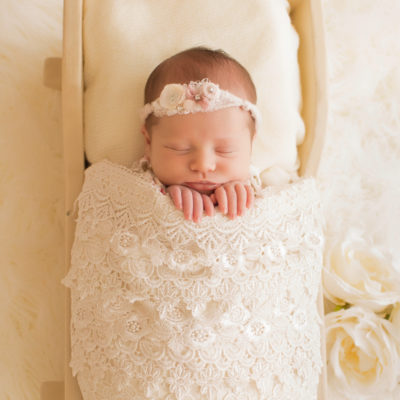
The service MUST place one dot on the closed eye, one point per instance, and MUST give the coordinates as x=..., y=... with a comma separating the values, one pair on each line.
x=225, y=151
x=177, y=148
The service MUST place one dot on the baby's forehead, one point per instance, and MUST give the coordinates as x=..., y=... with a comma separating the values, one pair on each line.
x=224, y=125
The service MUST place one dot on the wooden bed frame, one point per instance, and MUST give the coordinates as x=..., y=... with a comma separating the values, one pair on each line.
x=67, y=75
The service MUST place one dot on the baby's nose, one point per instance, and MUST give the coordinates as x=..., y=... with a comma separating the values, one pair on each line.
x=203, y=161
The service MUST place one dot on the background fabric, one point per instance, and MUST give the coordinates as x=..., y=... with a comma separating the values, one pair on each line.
x=358, y=174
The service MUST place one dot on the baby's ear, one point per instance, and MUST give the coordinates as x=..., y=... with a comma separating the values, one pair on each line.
x=147, y=141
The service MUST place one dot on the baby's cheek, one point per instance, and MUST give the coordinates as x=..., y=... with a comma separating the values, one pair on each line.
x=237, y=169
x=168, y=173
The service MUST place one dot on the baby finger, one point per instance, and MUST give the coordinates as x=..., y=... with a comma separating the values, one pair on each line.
x=197, y=206
x=176, y=195
x=241, y=196
x=222, y=199
x=250, y=196
x=187, y=203
x=232, y=201
x=208, y=205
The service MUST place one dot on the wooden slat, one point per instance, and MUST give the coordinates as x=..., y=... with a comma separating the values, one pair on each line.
x=72, y=120
x=52, y=73
x=52, y=390
x=307, y=18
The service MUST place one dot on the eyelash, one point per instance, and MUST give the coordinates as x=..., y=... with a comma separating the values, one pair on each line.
x=188, y=149
x=177, y=149
x=224, y=151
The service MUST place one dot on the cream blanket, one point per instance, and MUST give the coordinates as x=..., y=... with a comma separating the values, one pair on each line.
x=164, y=308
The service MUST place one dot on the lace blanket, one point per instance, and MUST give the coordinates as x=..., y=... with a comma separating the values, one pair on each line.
x=164, y=308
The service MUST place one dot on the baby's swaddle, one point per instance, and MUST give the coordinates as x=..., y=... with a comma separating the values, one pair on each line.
x=164, y=308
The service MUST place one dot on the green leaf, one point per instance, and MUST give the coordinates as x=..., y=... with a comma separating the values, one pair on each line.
x=341, y=307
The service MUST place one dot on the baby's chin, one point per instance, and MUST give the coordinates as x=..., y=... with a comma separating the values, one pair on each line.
x=203, y=187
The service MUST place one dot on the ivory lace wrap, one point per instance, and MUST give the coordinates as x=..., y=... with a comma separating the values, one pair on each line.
x=164, y=308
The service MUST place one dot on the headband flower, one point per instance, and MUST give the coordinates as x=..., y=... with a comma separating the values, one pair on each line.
x=196, y=96
x=172, y=96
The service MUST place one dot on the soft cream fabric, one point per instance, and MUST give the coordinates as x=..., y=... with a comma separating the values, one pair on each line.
x=124, y=41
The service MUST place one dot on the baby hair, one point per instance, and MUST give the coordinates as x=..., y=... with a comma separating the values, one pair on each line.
x=195, y=64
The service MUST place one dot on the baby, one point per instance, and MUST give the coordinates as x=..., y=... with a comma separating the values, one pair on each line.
x=199, y=124
x=219, y=310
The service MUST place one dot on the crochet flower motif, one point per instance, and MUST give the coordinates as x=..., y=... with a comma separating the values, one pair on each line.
x=189, y=97
x=203, y=93
x=124, y=243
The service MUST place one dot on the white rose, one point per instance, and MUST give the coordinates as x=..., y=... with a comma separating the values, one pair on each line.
x=172, y=95
x=357, y=272
x=363, y=354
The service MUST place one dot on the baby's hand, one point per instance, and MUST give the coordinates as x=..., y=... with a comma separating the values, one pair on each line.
x=233, y=198
x=191, y=202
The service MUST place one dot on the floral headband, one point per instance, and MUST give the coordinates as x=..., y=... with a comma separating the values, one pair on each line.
x=196, y=96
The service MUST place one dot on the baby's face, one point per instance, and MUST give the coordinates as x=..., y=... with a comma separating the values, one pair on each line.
x=201, y=150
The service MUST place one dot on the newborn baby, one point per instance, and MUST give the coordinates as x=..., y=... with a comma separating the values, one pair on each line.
x=163, y=308
x=199, y=124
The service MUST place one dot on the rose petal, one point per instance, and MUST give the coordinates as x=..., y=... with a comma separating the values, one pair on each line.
x=359, y=273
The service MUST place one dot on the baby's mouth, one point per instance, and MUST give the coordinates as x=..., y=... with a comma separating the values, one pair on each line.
x=204, y=187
